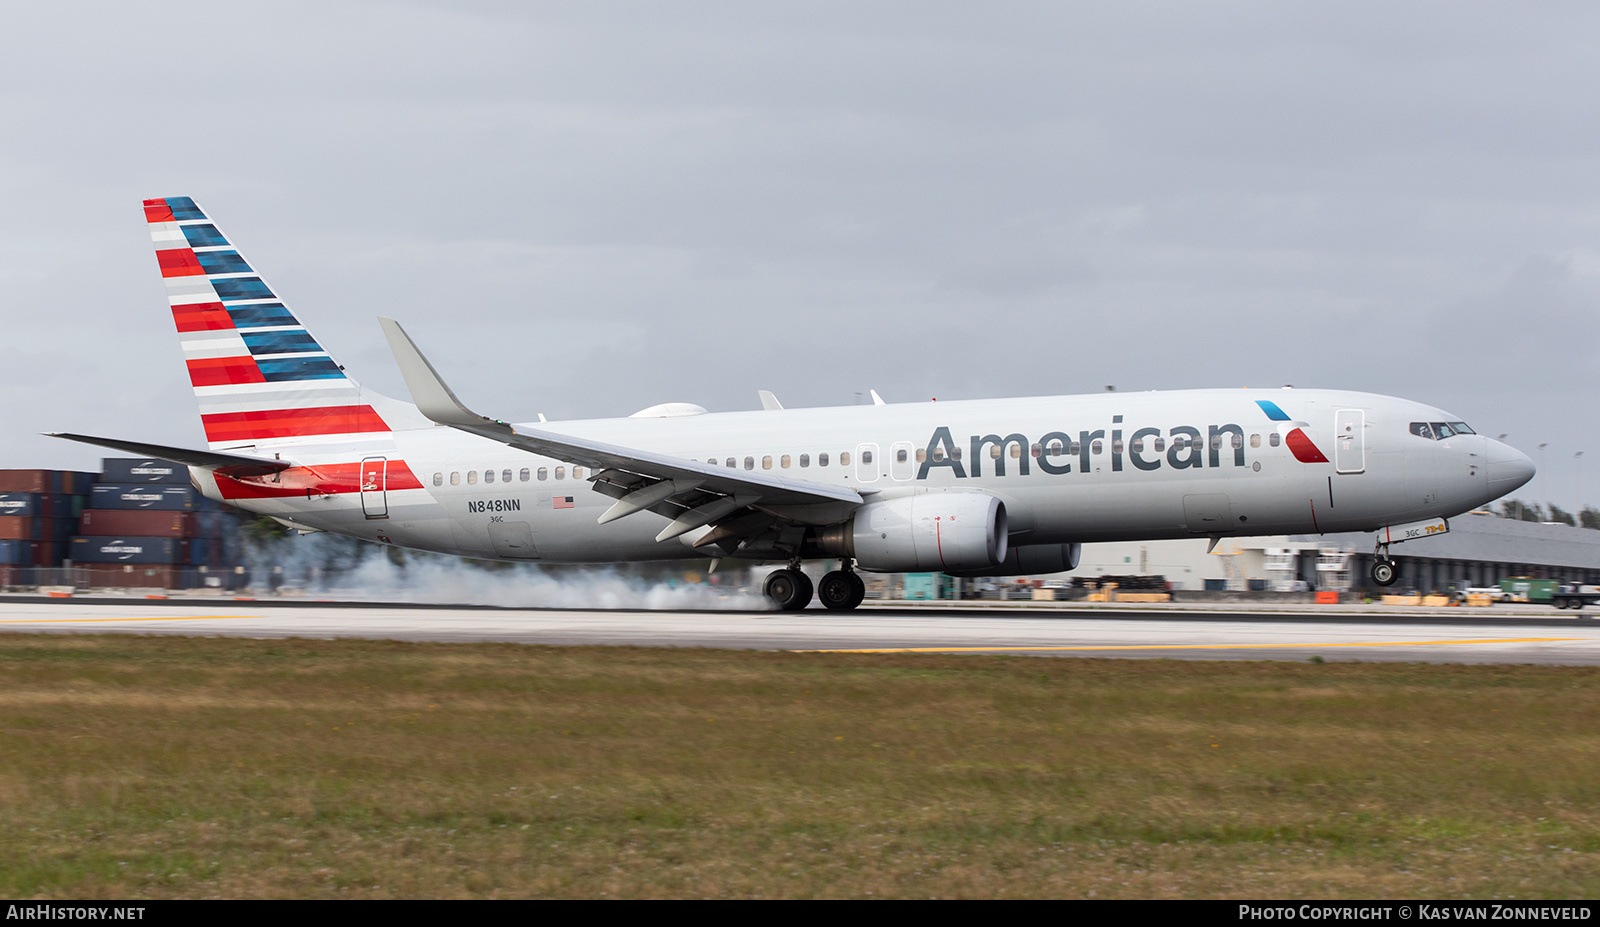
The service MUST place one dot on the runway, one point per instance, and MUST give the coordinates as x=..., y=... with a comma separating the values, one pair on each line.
x=1207, y=634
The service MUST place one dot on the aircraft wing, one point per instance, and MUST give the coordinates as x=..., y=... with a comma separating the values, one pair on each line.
x=690, y=492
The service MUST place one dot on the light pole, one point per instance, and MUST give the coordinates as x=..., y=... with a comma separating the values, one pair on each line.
x=1544, y=508
x=1577, y=490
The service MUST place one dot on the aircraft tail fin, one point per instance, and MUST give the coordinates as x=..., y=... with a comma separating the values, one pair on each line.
x=260, y=377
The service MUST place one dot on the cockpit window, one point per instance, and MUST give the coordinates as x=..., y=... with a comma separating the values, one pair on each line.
x=1438, y=431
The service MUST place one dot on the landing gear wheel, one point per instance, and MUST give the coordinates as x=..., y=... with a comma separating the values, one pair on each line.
x=1383, y=573
x=841, y=591
x=790, y=590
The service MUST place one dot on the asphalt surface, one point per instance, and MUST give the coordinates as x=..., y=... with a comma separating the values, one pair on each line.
x=1527, y=634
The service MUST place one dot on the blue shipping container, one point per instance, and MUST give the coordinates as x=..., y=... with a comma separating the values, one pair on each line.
x=143, y=470
x=165, y=497
x=128, y=550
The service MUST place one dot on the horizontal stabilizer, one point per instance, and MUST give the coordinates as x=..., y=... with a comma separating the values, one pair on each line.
x=235, y=465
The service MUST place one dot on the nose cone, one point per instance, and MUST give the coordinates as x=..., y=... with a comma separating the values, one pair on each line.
x=1509, y=468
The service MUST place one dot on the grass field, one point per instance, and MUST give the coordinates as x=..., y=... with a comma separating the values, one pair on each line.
x=173, y=767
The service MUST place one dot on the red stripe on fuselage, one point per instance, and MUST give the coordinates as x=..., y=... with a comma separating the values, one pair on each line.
x=1304, y=450
x=221, y=371
x=201, y=317
x=291, y=423
x=179, y=262
x=323, y=479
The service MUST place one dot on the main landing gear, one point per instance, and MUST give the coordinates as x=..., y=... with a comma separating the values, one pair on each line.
x=840, y=590
x=1383, y=570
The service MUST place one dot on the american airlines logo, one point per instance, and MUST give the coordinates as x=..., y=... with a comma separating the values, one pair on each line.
x=1179, y=447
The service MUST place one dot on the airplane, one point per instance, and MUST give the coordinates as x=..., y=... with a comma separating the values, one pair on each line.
x=1000, y=487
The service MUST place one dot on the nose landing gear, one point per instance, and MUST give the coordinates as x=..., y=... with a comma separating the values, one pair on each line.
x=1383, y=569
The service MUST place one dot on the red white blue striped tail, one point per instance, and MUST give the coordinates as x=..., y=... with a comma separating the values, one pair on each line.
x=259, y=375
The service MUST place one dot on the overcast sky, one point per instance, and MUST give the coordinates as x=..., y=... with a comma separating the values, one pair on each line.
x=585, y=209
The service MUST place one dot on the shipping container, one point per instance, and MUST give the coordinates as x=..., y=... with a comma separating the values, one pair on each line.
x=143, y=470
x=160, y=497
x=150, y=523
x=26, y=553
x=78, y=482
x=30, y=480
x=33, y=528
x=132, y=576
x=127, y=550
x=48, y=504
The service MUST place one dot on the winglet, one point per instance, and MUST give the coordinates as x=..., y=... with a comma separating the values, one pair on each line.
x=428, y=390
x=876, y=399
x=769, y=402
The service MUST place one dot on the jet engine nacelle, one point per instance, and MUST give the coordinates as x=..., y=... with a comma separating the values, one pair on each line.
x=1030, y=559
x=930, y=531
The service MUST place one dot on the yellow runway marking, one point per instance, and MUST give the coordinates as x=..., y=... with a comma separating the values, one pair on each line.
x=171, y=618
x=1506, y=640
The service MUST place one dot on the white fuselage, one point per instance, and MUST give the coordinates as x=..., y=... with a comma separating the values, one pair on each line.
x=425, y=488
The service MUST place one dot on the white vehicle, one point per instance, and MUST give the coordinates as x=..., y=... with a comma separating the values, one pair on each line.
x=976, y=488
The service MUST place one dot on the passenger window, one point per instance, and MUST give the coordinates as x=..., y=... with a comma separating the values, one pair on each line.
x=844, y=458
x=994, y=452
x=455, y=478
x=1237, y=441
x=1057, y=448
x=544, y=474
x=749, y=463
x=866, y=457
x=922, y=455
x=472, y=477
x=784, y=461
x=1161, y=444
x=523, y=476
x=1116, y=446
x=505, y=476
x=805, y=460
x=561, y=473
x=1016, y=452
x=488, y=476
x=955, y=453
x=822, y=460
x=731, y=463
x=1216, y=442
x=1255, y=440
x=1095, y=447
x=1035, y=450
x=901, y=455
x=438, y=479
x=1076, y=447
x=766, y=462
x=1274, y=439
x=938, y=454
x=577, y=473
x=1136, y=445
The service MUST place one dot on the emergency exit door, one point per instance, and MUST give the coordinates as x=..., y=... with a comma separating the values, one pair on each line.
x=374, y=482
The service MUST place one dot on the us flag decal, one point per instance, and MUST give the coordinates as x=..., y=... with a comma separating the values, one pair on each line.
x=561, y=502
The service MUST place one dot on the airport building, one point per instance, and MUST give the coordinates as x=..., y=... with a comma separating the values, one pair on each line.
x=1479, y=550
